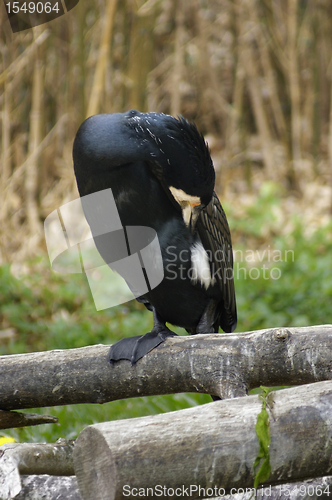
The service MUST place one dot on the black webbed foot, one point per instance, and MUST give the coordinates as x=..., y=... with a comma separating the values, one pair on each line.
x=134, y=348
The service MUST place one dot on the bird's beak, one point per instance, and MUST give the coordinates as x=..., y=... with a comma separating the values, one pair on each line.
x=195, y=210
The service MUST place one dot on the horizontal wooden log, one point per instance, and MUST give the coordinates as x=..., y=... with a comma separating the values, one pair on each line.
x=49, y=488
x=211, y=446
x=32, y=458
x=39, y=458
x=224, y=365
x=65, y=488
x=12, y=419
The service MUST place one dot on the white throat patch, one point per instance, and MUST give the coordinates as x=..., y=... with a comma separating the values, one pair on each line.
x=186, y=214
x=186, y=202
x=200, y=266
x=181, y=196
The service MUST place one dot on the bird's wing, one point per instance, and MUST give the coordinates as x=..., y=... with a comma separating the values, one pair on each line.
x=215, y=235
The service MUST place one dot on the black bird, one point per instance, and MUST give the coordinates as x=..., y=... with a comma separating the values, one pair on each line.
x=161, y=174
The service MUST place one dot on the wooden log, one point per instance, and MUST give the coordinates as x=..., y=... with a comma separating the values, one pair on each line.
x=211, y=446
x=224, y=365
x=12, y=419
x=65, y=488
x=32, y=458
x=49, y=488
x=40, y=458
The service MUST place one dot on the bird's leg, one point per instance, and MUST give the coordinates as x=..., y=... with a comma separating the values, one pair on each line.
x=134, y=348
x=206, y=323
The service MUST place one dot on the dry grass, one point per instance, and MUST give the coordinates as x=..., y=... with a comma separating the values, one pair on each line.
x=255, y=75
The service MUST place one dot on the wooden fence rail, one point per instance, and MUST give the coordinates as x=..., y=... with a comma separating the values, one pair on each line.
x=214, y=445
x=224, y=365
x=208, y=448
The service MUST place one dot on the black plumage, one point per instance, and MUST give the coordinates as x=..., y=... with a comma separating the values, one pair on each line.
x=161, y=174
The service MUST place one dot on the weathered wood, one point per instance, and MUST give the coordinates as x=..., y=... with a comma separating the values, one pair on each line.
x=49, y=488
x=65, y=488
x=214, y=445
x=224, y=365
x=39, y=458
x=33, y=458
x=11, y=419
x=319, y=488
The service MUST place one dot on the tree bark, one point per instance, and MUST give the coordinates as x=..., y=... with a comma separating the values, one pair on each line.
x=12, y=419
x=33, y=458
x=224, y=365
x=211, y=446
x=65, y=488
x=49, y=488
x=40, y=458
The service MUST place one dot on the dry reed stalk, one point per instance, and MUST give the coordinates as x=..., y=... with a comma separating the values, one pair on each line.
x=308, y=83
x=330, y=137
x=81, y=12
x=5, y=144
x=323, y=61
x=132, y=70
x=178, y=65
x=20, y=62
x=155, y=90
x=278, y=31
x=14, y=179
x=141, y=48
x=255, y=92
x=104, y=49
x=210, y=86
x=5, y=126
x=147, y=7
x=263, y=44
x=234, y=121
x=62, y=104
x=31, y=173
x=293, y=76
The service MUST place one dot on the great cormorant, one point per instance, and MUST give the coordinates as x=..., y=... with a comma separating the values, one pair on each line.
x=161, y=175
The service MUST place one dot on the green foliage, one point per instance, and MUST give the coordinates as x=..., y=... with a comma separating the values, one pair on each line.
x=56, y=311
x=262, y=428
x=74, y=418
x=289, y=283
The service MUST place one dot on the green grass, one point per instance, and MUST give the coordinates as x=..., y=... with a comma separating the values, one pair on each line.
x=56, y=311
x=295, y=288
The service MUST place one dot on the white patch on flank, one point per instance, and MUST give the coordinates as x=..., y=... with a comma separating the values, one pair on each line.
x=200, y=266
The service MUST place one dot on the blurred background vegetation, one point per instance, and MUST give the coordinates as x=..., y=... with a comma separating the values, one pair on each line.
x=255, y=76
